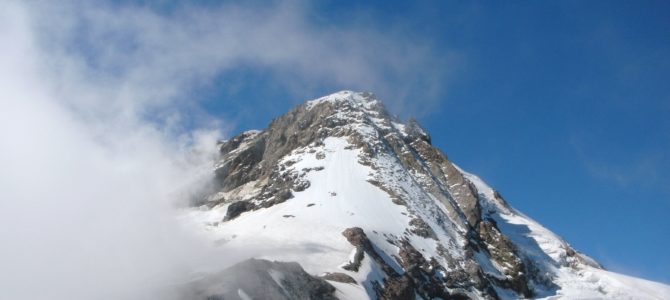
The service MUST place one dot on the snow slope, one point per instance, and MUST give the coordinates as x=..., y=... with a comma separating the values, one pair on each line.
x=308, y=227
x=578, y=278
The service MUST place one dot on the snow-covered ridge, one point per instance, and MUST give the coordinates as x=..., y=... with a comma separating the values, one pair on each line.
x=364, y=201
x=364, y=99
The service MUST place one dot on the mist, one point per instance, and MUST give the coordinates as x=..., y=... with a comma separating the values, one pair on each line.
x=102, y=144
x=88, y=203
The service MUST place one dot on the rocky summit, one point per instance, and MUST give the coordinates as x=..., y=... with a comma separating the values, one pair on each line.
x=338, y=199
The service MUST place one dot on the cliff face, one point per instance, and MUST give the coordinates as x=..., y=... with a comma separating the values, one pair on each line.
x=352, y=194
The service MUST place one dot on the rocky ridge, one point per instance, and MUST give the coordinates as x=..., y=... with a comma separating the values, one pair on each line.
x=444, y=233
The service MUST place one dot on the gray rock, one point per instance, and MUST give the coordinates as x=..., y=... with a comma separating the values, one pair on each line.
x=501, y=250
x=400, y=288
x=339, y=277
x=237, y=208
x=421, y=228
x=260, y=279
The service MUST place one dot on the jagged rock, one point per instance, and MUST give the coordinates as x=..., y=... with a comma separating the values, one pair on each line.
x=356, y=236
x=260, y=279
x=237, y=208
x=410, y=259
x=300, y=185
x=356, y=263
x=400, y=288
x=237, y=168
x=421, y=228
x=283, y=195
x=415, y=131
x=421, y=272
x=339, y=277
x=503, y=252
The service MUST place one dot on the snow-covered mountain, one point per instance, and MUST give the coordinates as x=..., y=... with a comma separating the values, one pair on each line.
x=339, y=199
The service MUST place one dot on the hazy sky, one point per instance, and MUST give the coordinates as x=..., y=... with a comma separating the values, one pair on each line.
x=111, y=108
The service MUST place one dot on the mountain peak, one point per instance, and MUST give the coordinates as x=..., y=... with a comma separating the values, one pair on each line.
x=341, y=187
x=357, y=99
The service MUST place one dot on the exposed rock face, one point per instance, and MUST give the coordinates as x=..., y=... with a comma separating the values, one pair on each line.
x=419, y=276
x=396, y=286
x=356, y=236
x=339, y=277
x=449, y=245
x=260, y=279
x=504, y=253
x=421, y=228
x=253, y=156
x=400, y=288
x=237, y=208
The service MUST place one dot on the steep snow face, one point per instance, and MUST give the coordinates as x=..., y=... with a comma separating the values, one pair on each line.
x=363, y=200
x=576, y=275
x=307, y=228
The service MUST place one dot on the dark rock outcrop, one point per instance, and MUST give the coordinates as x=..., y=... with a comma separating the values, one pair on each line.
x=339, y=277
x=419, y=275
x=421, y=228
x=237, y=208
x=260, y=279
x=358, y=239
x=397, y=288
x=502, y=251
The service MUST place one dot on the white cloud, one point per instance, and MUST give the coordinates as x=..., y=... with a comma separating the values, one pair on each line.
x=95, y=149
x=86, y=197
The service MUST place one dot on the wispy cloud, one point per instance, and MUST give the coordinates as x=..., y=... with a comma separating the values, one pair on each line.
x=626, y=173
x=633, y=170
x=169, y=54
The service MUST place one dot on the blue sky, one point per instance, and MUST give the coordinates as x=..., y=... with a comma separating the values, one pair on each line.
x=561, y=106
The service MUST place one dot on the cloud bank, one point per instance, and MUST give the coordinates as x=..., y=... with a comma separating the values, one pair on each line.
x=101, y=136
